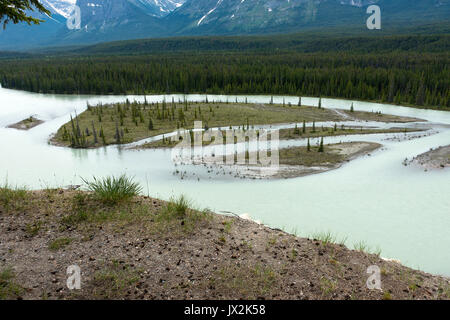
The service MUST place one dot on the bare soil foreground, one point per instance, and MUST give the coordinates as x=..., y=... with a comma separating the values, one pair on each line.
x=434, y=159
x=26, y=124
x=149, y=249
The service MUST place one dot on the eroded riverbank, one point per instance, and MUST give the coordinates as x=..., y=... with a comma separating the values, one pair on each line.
x=151, y=249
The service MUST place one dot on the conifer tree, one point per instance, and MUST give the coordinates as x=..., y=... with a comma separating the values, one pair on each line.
x=321, y=145
x=117, y=135
x=94, y=132
x=150, y=124
x=420, y=98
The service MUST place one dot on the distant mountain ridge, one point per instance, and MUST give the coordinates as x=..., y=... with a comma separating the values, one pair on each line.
x=109, y=20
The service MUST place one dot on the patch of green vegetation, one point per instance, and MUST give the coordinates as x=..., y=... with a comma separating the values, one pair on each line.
x=222, y=239
x=387, y=295
x=87, y=210
x=26, y=124
x=33, y=228
x=247, y=245
x=59, y=243
x=12, y=198
x=323, y=155
x=293, y=254
x=327, y=238
x=179, y=215
x=175, y=217
x=75, y=218
x=113, y=190
x=227, y=226
x=114, y=280
x=245, y=282
x=362, y=246
x=296, y=156
x=327, y=286
x=377, y=116
x=309, y=132
x=324, y=237
x=9, y=289
x=178, y=207
x=133, y=121
x=272, y=241
x=51, y=193
x=444, y=290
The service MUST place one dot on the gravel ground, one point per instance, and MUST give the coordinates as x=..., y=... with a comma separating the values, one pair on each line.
x=138, y=251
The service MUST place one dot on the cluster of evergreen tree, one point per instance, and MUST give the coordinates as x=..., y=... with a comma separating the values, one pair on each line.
x=119, y=122
x=400, y=77
x=79, y=138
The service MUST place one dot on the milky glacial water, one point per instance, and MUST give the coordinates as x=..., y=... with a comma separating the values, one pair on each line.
x=404, y=211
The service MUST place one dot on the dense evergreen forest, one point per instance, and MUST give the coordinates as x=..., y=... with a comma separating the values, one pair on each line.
x=400, y=76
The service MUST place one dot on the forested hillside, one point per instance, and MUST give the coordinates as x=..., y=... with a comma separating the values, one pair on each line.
x=392, y=70
x=430, y=39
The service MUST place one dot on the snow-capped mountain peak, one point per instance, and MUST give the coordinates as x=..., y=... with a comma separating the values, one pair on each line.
x=156, y=8
x=62, y=7
x=358, y=3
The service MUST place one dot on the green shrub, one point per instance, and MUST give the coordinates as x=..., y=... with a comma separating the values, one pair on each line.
x=113, y=190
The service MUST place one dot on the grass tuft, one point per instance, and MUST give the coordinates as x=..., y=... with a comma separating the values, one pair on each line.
x=245, y=281
x=364, y=247
x=113, y=190
x=114, y=280
x=60, y=243
x=179, y=206
x=179, y=212
x=8, y=288
x=12, y=198
x=328, y=238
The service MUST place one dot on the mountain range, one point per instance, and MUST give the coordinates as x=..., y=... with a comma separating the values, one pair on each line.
x=108, y=20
